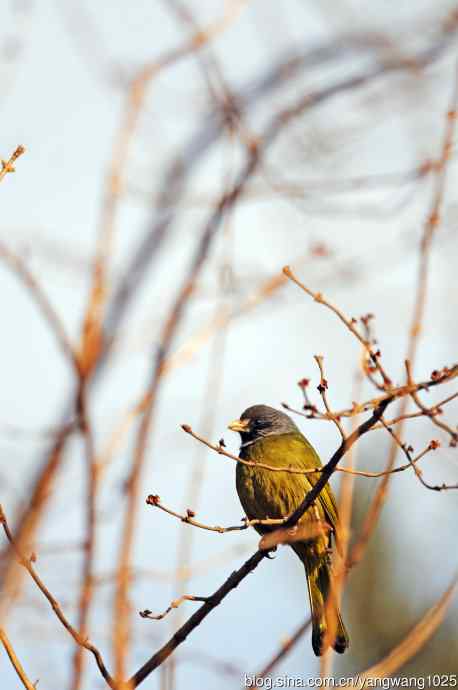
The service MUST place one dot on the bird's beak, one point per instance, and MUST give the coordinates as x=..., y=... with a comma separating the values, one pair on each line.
x=240, y=425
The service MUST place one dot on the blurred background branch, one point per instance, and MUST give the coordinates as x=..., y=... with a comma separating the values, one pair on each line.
x=178, y=154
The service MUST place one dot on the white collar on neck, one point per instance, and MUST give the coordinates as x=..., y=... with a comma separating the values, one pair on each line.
x=248, y=443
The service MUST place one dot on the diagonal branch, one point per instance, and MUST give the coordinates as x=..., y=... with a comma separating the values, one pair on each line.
x=415, y=640
x=79, y=639
x=329, y=468
x=15, y=661
x=19, y=268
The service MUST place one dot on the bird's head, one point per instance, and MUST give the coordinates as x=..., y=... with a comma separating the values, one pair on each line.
x=259, y=421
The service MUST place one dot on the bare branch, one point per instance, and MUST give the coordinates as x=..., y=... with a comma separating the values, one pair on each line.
x=298, y=470
x=78, y=638
x=322, y=388
x=19, y=268
x=173, y=605
x=373, y=355
x=433, y=445
x=432, y=412
x=188, y=518
x=15, y=661
x=29, y=521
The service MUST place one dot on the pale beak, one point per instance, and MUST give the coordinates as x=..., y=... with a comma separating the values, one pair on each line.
x=241, y=425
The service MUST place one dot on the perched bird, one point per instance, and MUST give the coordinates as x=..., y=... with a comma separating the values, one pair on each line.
x=271, y=437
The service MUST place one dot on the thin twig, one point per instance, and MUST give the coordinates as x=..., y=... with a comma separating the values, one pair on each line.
x=330, y=467
x=78, y=638
x=15, y=661
x=374, y=355
x=21, y=271
x=400, y=392
x=173, y=605
x=29, y=521
x=322, y=388
x=433, y=445
x=431, y=412
x=295, y=470
x=188, y=518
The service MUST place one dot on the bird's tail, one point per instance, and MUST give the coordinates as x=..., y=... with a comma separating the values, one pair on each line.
x=324, y=617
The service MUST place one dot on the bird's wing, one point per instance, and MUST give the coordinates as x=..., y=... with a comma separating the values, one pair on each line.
x=294, y=450
x=310, y=458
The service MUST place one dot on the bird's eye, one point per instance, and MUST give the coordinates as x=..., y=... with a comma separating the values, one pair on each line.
x=259, y=424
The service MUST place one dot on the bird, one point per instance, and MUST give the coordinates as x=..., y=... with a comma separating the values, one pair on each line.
x=271, y=437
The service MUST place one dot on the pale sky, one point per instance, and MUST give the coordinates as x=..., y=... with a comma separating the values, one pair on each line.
x=63, y=76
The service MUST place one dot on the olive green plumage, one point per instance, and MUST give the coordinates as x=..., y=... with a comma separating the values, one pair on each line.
x=271, y=437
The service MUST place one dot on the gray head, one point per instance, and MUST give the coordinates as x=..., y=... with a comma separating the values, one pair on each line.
x=259, y=421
